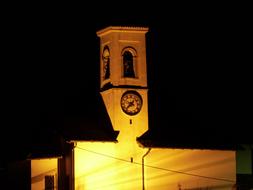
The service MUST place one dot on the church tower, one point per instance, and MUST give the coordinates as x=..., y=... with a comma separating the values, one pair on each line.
x=123, y=79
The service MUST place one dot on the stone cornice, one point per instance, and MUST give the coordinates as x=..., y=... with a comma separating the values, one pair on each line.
x=122, y=29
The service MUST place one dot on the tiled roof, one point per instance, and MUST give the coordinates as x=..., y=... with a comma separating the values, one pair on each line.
x=80, y=121
x=170, y=128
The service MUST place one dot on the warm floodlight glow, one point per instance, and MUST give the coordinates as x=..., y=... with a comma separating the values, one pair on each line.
x=190, y=169
x=40, y=169
x=102, y=166
x=107, y=166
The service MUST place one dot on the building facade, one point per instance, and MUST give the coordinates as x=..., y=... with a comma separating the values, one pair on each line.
x=124, y=163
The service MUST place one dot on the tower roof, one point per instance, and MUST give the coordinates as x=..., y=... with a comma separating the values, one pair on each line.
x=122, y=29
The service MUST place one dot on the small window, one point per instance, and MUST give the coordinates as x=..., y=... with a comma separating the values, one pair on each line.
x=128, y=65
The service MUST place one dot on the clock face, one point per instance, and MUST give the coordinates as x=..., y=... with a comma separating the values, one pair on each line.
x=131, y=102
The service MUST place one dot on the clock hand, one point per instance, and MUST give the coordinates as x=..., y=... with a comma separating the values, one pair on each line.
x=130, y=104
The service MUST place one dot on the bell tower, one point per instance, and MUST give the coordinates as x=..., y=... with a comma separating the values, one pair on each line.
x=123, y=79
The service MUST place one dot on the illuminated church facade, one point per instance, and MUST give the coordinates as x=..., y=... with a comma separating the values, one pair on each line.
x=125, y=163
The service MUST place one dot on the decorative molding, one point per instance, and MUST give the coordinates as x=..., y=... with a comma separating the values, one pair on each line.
x=122, y=29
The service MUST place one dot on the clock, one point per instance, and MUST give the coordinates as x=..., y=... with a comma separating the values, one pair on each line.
x=131, y=102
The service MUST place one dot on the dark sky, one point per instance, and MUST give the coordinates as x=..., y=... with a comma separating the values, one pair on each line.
x=198, y=59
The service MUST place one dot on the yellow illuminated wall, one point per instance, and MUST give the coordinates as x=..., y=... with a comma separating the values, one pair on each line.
x=104, y=166
x=41, y=168
x=109, y=166
x=189, y=169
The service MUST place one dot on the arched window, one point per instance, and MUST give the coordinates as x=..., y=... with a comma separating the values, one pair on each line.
x=128, y=64
x=106, y=62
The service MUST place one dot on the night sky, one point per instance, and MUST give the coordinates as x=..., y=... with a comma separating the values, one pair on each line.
x=198, y=61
